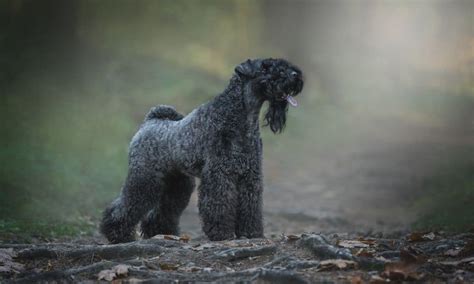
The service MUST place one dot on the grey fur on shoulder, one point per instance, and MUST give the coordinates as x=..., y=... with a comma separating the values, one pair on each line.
x=218, y=142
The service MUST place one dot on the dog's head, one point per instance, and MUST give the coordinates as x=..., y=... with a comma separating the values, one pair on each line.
x=274, y=80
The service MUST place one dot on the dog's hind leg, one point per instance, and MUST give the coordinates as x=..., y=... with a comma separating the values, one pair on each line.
x=174, y=197
x=138, y=196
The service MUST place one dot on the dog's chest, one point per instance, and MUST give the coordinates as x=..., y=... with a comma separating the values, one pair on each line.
x=243, y=152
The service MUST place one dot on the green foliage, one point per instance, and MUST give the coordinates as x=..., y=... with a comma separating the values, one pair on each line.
x=448, y=199
x=65, y=153
x=23, y=231
x=192, y=34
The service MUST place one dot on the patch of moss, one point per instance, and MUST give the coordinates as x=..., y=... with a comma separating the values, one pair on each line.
x=25, y=231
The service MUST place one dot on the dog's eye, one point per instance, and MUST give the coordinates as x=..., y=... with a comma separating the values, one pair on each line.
x=294, y=74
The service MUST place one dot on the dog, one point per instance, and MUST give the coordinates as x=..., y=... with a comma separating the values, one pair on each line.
x=219, y=143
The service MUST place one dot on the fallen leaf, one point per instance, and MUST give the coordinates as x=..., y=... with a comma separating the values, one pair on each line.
x=7, y=265
x=185, y=238
x=134, y=280
x=7, y=254
x=414, y=276
x=408, y=256
x=382, y=259
x=355, y=279
x=401, y=275
x=107, y=275
x=429, y=237
x=169, y=266
x=189, y=269
x=400, y=271
x=367, y=241
x=364, y=253
x=293, y=237
x=375, y=279
x=171, y=237
x=421, y=236
x=352, y=244
x=49, y=267
x=395, y=274
x=452, y=252
x=151, y=265
x=336, y=264
x=406, y=269
x=458, y=262
x=120, y=270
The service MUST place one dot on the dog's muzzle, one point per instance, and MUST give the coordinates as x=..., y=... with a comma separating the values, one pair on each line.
x=295, y=88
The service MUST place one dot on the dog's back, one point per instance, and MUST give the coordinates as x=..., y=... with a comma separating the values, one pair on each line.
x=163, y=112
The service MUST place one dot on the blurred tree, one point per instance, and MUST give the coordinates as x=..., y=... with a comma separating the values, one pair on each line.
x=48, y=22
x=35, y=30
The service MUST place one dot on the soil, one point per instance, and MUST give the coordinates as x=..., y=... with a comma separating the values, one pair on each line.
x=305, y=258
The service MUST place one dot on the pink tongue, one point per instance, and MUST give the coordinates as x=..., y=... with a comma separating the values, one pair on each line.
x=292, y=101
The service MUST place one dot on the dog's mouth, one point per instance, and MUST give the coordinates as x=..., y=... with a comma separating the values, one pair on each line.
x=291, y=91
x=290, y=99
x=275, y=116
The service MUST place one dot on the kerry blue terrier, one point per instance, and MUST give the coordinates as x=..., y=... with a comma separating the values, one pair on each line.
x=219, y=142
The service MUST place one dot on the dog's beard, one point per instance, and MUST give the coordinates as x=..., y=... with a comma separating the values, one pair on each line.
x=275, y=117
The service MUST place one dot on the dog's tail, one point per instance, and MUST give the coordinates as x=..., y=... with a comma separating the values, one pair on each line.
x=163, y=112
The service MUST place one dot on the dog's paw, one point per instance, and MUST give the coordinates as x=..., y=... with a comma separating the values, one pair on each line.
x=220, y=236
x=250, y=235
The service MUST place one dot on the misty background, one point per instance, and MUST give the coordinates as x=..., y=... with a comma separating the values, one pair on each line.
x=383, y=138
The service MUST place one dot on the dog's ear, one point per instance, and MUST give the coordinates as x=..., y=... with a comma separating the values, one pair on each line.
x=246, y=69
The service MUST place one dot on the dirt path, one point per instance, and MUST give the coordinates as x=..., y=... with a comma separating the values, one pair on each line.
x=368, y=188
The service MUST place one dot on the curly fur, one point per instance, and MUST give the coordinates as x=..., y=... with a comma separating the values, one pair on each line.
x=219, y=142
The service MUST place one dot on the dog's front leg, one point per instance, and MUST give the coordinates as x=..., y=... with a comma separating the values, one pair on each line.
x=218, y=204
x=250, y=218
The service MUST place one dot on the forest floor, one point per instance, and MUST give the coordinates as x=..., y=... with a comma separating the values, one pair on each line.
x=302, y=258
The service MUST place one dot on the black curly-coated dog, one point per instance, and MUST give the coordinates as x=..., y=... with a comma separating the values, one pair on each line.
x=219, y=142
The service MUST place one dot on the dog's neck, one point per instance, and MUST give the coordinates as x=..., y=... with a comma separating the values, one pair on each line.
x=252, y=106
x=246, y=104
x=252, y=103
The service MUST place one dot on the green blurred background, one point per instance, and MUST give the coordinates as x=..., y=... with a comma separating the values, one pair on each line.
x=383, y=138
